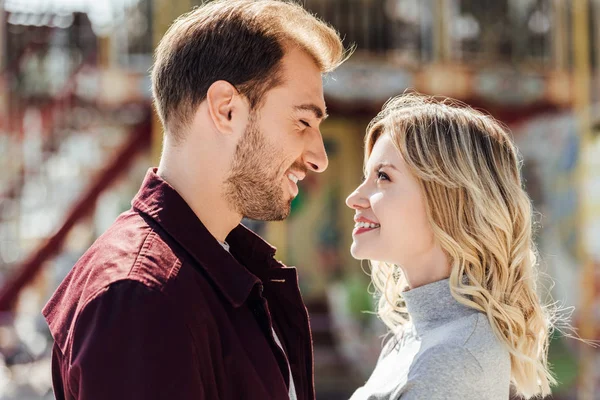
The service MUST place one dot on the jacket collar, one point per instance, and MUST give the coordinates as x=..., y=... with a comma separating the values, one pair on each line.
x=231, y=273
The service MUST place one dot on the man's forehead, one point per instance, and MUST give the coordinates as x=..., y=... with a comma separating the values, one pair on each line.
x=300, y=71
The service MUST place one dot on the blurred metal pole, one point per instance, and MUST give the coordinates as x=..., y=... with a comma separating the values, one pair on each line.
x=582, y=103
x=442, y=31
x=560, y=48
x=4, y=125
x=164, y=12
x=3, y=28
x=596, y=41
x=104, y=52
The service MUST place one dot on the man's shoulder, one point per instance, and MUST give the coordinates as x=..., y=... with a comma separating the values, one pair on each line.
x=132, y=248
x=131, y=252
x=127, y=319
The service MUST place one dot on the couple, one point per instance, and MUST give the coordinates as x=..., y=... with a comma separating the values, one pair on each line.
x=178, y=300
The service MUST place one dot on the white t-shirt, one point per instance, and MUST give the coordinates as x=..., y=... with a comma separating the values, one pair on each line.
x=292, y=391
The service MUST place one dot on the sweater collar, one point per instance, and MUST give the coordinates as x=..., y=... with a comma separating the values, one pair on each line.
x=433, y=305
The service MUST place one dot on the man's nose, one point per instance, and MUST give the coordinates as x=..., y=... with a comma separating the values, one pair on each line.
x=315, y=157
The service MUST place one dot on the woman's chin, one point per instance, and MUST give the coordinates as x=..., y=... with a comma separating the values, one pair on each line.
x=359, y=252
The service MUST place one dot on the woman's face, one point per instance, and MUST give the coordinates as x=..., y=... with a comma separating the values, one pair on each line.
x=391, y=223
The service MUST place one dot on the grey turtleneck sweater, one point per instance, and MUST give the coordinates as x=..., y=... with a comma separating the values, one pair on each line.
x=448, y=351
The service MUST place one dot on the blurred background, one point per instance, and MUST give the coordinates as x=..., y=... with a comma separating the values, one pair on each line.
x=77, y=134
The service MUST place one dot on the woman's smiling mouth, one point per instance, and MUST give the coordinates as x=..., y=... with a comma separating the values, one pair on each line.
x=363, y=225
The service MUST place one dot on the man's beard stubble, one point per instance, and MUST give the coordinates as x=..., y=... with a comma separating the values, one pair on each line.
x=253, y=187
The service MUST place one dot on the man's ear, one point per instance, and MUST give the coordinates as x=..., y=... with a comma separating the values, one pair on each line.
x=220, y=99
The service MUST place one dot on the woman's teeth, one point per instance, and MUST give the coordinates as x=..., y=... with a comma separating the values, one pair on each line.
x=293, y=178
x=366, y=225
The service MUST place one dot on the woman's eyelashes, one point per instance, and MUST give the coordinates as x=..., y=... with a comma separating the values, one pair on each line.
x=379, y=176
x=305, y=123
x=382, y=176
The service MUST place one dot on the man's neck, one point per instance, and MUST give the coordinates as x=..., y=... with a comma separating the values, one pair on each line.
x=205, y=200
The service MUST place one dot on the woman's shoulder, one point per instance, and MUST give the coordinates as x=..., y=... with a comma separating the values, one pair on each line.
x=474, y=334
x=452, y=371
x=486, y=346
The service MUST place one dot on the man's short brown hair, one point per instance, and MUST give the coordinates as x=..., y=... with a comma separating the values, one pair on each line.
x=239, y=41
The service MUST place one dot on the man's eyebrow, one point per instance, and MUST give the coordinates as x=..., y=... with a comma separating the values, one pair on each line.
x=318, y=111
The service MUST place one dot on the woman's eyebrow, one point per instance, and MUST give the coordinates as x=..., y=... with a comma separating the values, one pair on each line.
x=386, y=164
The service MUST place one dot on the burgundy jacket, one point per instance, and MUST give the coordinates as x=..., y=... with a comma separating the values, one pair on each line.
x=157, y=309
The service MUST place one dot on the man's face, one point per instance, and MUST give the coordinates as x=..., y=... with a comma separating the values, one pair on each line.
x=281, y=143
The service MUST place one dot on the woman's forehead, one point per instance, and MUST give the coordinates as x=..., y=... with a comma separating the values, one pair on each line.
x=384, y=152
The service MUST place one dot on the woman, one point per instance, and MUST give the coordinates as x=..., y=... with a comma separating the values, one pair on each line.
x=443, y=212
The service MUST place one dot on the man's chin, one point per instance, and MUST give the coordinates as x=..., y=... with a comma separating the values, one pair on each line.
x=273, y=215
x=280, y=216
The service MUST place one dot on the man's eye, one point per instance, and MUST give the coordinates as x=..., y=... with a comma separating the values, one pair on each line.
x=305, y=123
x=382, y=176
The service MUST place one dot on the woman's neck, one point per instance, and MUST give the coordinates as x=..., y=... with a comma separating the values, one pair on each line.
x=431, y=267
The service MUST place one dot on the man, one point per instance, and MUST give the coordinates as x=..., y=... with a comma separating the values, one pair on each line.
x=177, y=300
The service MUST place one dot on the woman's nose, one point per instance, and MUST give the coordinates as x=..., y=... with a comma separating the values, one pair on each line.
x=356, y=200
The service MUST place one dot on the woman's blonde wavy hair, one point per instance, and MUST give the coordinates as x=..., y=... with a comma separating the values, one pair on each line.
x=469, y=172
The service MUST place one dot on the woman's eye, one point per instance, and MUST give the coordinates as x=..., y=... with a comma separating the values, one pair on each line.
x=382, y=176
x=305, y=123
